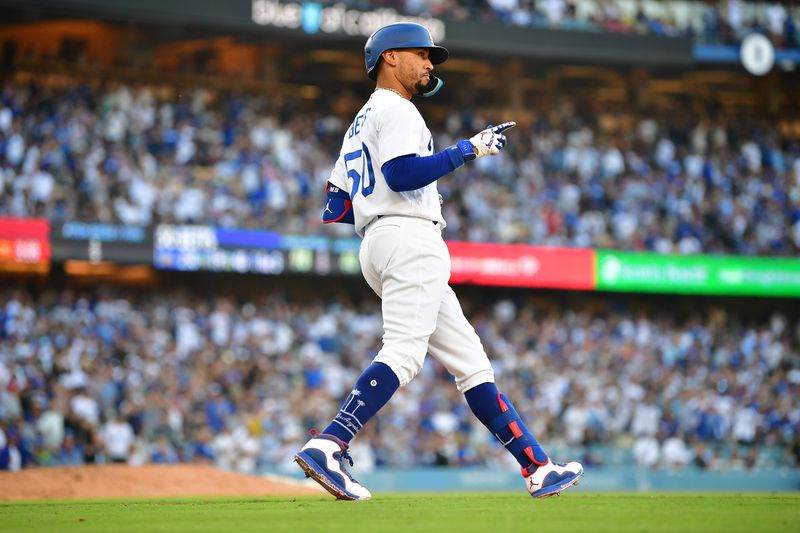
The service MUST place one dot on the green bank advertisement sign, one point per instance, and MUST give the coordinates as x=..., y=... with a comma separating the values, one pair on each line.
x=645, y=272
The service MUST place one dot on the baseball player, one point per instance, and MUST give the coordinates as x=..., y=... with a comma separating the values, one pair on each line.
x=384, y=182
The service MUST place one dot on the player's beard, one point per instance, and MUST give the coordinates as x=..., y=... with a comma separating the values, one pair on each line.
x=421, y=85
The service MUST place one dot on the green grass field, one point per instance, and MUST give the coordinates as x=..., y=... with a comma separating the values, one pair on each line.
x=498, y=512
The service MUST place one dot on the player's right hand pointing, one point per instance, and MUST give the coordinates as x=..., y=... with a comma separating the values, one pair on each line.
x=491, y=140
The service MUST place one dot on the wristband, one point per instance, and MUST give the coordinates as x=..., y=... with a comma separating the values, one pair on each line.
x=467, y=149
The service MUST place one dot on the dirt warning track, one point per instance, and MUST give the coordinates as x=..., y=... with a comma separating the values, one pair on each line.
x=122, y=481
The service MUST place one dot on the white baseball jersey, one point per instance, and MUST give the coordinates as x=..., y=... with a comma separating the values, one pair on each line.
x=404, y=258
x=386, y=127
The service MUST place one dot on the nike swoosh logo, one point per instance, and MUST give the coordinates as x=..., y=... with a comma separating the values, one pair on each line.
x=504, y=443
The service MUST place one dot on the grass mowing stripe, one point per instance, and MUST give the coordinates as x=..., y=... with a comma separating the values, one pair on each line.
x=462, y=512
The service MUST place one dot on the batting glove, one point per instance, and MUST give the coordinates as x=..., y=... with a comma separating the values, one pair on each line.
x=487, y=142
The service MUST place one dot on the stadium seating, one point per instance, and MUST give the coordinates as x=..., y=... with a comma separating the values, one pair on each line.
x=145, y=154
x=190, y=376
x=187, y=374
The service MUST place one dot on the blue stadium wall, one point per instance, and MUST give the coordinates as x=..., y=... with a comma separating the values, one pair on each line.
x=604, y=479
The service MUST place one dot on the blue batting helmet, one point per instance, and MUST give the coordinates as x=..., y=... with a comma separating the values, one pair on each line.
x=400, y=35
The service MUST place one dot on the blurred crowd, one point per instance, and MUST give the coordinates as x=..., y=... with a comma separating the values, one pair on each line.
x=109, y=375
x=674, y=181
x=716, y=22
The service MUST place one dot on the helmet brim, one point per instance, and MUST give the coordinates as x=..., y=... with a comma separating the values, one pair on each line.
x=437, y=54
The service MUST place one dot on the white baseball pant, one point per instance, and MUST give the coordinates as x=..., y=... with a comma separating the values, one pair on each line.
x=406, y=262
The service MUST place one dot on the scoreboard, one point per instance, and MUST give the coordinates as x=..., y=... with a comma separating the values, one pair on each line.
x=206, y=248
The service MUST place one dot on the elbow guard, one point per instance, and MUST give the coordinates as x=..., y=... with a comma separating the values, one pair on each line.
x=338, y=206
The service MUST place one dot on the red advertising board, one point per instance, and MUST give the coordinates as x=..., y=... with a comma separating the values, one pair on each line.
x=24, y=240
x=516, y=265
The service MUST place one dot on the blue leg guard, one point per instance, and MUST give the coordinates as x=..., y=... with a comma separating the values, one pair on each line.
x=522, y=442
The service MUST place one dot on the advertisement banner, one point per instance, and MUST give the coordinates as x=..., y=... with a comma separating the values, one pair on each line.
x=205, y=248
x=316, y=18
x=513, y=265
x=700, y=274
x=24, y=240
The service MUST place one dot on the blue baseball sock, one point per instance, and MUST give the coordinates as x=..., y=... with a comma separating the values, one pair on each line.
x=373, y=389
x=496, y=413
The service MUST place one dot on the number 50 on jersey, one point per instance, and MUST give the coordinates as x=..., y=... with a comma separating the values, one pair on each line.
x=357, y=177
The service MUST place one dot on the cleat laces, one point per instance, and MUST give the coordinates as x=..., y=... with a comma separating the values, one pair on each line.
x=346, y=455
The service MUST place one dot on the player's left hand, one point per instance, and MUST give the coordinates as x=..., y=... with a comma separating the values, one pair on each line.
x=491, y=140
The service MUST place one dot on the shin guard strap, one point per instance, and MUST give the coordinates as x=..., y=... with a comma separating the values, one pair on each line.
x=504, y=420
x=521, y=444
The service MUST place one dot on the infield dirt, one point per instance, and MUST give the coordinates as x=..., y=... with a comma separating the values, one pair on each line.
x=122, y=481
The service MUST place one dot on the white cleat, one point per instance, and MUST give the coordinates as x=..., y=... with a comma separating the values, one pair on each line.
x=552, y=478
x=322, y=459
